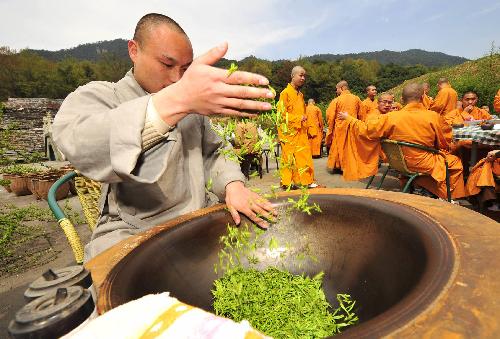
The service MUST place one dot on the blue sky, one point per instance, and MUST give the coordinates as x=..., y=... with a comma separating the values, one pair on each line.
x=270, y=29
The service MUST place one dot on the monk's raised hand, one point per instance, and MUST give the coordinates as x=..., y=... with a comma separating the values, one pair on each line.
x=492, y=155
x=208, y=90
x=342, y=115
x=240, y=199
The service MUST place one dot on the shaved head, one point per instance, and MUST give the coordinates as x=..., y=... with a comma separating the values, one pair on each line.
x=149, y=21
x=298, y=77
x=369, y=88
x=385, y=96
x=342, y=84
x=469, y=93
x=310, y=101
x=412, y=93
x=297, y=70
x=442, y=81
x=385, y=101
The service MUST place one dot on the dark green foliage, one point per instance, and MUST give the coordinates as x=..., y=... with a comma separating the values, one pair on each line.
x=280, y=304
x=27, y=74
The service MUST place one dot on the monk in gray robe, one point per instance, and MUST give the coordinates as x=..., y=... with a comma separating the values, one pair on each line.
x=147, y=137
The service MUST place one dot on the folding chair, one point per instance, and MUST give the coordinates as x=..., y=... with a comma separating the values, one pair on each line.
x=89, y=192
x=394, y=152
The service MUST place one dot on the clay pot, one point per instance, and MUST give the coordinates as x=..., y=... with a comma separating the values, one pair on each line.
x=7, y=177
x=19, y=185
x=43, y=185
x=29, y=181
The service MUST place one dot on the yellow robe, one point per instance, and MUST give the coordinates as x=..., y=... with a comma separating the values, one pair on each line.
x=445, y=101
x=368, y=105
x=315, y=128
x=340, y=154
x=417, y=125
x=496, y=102
x=427, y=101
x=482, y=175
x=296, y=160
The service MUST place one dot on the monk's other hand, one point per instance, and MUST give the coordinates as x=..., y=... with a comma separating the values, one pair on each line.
x=469, y=108
x=209, y=90
x=342, y=115
x=240, y=199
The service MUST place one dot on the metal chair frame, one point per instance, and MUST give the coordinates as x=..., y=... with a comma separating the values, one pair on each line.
x=397, y=161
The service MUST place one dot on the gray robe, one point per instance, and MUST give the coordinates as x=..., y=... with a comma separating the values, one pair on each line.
x=98, y=128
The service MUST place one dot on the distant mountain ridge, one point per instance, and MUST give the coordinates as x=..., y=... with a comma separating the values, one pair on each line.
x=404, y=58
x=90, y=51
x=118, y=47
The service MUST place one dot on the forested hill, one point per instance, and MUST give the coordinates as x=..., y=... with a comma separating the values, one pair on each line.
x=405, y=58
x=90, y=51
x=118, y=47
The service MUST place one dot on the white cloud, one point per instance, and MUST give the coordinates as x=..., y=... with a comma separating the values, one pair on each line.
x=246, y=25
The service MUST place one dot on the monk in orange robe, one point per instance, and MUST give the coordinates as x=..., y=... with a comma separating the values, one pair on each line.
x=460, y=116
x=384, y=105
x=469, y=111
x=315, y=127
x=496, y=102
x=417, y=125
x=370, y=103
x=396, y=106
x=296, y=161
x=446, y=99
x=336, y=136
x=482, y=177
x=486, y=109
x=427, y=100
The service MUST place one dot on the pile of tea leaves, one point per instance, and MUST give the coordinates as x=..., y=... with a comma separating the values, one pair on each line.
x=280, y=304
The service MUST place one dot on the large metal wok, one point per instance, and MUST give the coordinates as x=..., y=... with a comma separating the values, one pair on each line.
x=393, y=259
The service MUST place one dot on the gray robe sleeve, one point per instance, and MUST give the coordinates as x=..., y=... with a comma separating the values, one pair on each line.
x=222, y=171
x=102, y=137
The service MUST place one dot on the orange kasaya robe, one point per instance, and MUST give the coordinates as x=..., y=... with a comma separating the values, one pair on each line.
x=374, y=113
x=330, y=114
x=412, y=124
x=337, y=134
x=445, y=101
x=482, y=175
x=368, y=105
x=496, y=102
x=427, y=101
x=296, y=160
x=477, y=114
x=315, y=128
x=447, y=120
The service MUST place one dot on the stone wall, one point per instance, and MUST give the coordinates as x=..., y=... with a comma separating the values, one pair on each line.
x=27, y=117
